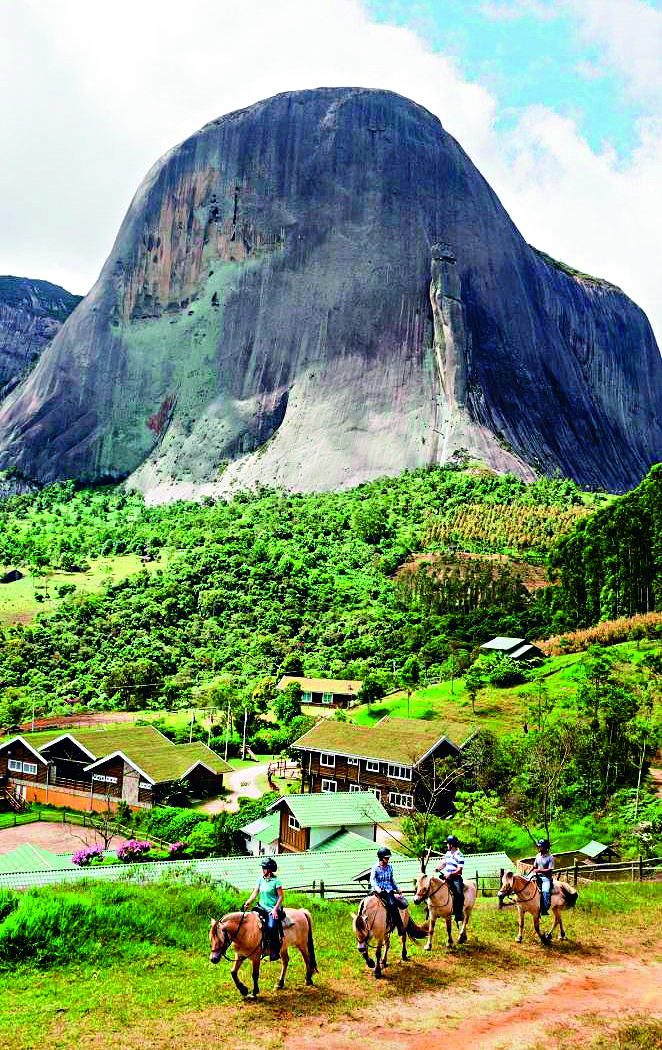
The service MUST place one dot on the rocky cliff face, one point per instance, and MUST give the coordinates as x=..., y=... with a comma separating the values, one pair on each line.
x=320, y=289
x=31, y=315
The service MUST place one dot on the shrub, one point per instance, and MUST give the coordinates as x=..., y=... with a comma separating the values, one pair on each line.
x=172, y=823
x=90, y=855
x=133, y=850
x=503, y=671
x=175, y=850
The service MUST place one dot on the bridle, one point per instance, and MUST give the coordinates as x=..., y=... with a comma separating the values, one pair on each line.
x=522, y=900
x=228, y=938
x=427, y=896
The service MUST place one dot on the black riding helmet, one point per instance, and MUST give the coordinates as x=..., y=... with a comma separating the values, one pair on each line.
x=269, y=864
x=543, y=844
x=452, y=840
x=383, y=852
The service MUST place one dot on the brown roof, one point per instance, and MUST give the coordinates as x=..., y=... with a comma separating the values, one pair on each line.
x=321, y=685
x=403, y=740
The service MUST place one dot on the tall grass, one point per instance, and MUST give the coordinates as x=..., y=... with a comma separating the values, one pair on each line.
x=609, y=632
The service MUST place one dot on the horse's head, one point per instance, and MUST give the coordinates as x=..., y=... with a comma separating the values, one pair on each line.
x=220, y=940
x=422, y=890
x=507, y=886
x=361, y=931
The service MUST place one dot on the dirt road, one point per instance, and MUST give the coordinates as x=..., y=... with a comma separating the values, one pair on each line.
x=241, y=784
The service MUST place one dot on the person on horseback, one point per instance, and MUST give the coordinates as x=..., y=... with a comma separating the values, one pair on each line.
x=450, y=869
x=542, y=871
x=384, y=886
x=269, y=891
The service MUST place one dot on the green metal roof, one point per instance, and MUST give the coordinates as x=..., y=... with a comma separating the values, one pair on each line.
x=402, y=741
x=593, y=848
x=343, y=840
x=341, y=808
x=32, y=858
x=266, y=829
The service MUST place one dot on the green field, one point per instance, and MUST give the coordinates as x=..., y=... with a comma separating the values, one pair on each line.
x=128, y=966
x=19, y=601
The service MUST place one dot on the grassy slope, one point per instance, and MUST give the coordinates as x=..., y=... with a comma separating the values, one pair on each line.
x=146, y=993
x=18, y=603
x=501, y=710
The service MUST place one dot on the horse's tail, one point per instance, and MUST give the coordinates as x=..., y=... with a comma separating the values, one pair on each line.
x=311, y=946
x=417, y=932
x=569, y=895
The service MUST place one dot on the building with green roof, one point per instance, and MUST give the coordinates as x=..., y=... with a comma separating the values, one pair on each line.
x=93, y=769
x=309, y=820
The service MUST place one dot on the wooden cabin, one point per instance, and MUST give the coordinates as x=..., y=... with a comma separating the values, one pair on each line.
x=324, y=692
x=308, y=821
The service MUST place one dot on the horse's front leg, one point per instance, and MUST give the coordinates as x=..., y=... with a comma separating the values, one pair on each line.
x=284, y=963
x=449, y=929
x=238, y=960
x=432, y=919
x=378, y=960
x=520, y=925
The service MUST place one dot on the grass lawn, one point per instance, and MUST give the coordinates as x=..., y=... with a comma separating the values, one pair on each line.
x=500, y=709
x=153, y=986
x=18, y=602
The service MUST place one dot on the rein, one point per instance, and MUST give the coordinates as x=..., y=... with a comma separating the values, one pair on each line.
x=522, y=900
x=231, y=938
x=428, y=896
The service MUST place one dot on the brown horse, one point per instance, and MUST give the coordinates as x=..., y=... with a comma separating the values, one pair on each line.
x=527, y=899
x=440, y=905
x=243, y=930
x=372, y=921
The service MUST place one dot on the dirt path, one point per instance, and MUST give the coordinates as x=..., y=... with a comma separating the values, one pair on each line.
x=500, y=1014
x=59, y=838
x=241, y=784
x=656, y=777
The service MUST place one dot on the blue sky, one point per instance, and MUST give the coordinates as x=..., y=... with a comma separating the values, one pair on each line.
x=557, y=102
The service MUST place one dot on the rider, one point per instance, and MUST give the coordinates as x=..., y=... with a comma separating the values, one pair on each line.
x=269, y=891
x=542, y=871
x=383, y=884
x=451, y=868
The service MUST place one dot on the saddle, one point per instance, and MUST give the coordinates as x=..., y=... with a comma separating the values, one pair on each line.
x=272, y=939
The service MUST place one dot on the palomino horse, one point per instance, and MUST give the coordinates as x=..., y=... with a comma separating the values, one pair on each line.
x=527, y=899
x=436, y=892
x=372, y=921
x=243, y=930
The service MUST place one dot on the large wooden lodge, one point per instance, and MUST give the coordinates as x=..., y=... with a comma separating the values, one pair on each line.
x=324, y=692
x=395, y=759
x=93, y=769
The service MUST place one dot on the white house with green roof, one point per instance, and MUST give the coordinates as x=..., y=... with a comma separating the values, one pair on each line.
x=309, y=821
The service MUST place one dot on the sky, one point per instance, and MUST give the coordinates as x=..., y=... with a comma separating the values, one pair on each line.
x=557, y=102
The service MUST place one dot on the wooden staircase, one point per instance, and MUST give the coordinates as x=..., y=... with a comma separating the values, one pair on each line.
x=9, y=801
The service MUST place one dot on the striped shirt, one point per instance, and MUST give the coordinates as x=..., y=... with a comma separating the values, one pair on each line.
x=383, y=879
x=452, y=862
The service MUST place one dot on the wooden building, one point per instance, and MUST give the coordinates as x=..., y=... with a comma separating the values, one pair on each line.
x=324, y=692
x=309, y=821
x=92, y=769
x=395, y=759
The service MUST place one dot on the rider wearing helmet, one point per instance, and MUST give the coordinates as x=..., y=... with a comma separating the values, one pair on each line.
x=383, y=884
x=451, y=868
x=542, y=871
x=269, y=891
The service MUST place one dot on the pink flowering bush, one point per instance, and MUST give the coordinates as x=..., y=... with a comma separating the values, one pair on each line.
x=133, y=850
x=175, y=850
x=87, y=856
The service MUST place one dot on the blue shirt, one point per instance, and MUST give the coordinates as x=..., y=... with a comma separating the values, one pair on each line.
x=452, y=862
x=383, y=879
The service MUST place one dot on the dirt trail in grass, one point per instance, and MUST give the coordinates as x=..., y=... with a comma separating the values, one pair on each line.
x=498, y=1014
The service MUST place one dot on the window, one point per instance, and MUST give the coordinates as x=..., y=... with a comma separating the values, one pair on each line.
x=293, y=823
x=14, y=766
x=355, y=787
x=306, y=698
x=327, y=760
x=329, y=786
x=352, y=761
x=402, y=801
x=327, y=698
x=372, y=767
x=376, y=792
x=30, y=768
x=400, y=772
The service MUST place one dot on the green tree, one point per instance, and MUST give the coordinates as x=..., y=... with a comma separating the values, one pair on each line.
x=410, y=676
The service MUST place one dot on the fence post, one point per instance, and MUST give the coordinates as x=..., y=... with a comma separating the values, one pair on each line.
x=313, y=887
x=477, y=887
x=321, y=889
x=38, y=814
x=63, y=815
x=575, y=873
x=641, y=869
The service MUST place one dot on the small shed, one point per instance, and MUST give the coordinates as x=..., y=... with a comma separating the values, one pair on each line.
x=262, y=835
x=307, y=821
x=515, y=648
x=325, y=692
x=596, y=853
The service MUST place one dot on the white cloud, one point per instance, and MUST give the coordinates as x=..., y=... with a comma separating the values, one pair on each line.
x=629, y=35
x=103, y=89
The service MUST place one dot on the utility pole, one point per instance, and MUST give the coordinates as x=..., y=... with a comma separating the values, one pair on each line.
x=190, y=736
x=243, y=746
x=33, y=712
x=227, y=732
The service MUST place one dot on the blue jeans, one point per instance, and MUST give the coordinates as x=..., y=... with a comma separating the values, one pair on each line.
x=545, y=891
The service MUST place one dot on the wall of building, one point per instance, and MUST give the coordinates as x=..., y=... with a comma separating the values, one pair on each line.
x=290, y=840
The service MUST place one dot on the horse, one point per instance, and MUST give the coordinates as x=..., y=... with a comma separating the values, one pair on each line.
x=439, y=899
x=528, y=899
x=243, y=930
x=371, y=921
